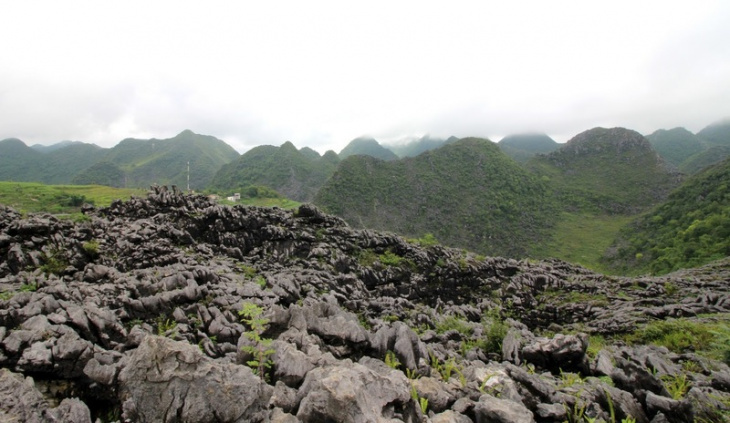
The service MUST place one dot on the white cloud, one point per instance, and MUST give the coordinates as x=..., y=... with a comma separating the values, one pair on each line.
x=321, y=73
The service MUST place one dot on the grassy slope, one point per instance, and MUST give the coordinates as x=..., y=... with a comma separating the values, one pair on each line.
x=690, y=229
x=36, y=197
x=602, y=178
x=582, y=238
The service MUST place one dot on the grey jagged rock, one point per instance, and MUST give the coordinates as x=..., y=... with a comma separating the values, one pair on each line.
x=20, y=401
x=565, y=352
x=351, y=392
x=491, y=409
x=86, y=322
x=168, y=381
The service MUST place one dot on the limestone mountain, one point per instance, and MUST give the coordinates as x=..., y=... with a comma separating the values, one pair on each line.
x=417, y=146
x=143, y=162
x=63, y=164
x=716, y=147
x=18, y=162
x=467, y=193
x=367, y=146
x=101, y=173
x=296, y=174
x=48, y=148
x=613, y=170
x=676, y=145
x=705, y=158
x=690, y=229
x=717, y=133
x=165, y=161
x=56, y=164
x=522, y=147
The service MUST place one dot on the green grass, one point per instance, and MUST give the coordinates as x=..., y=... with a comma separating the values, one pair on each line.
x=709, y=336
x=582, y=238
x=282, y=203
x=31, y=197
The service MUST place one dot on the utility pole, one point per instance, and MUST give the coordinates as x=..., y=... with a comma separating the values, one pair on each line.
x=188, y=176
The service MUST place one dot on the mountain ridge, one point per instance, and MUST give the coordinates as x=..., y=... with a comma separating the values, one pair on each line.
x=435, y=191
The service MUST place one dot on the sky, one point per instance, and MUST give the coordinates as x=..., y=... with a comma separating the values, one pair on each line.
x=321, y=73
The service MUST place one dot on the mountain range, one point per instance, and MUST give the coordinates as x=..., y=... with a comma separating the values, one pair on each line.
x=131, y=163
x=525, y=196
x=297, y=174
x=466, y=193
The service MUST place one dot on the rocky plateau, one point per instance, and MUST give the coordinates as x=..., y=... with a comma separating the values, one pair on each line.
x=134, y=313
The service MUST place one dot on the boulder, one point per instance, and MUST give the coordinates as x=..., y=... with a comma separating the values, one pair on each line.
x=20, y=401
x=566, y=352
x=169, y=381
x=353, y=393
x=495, y=410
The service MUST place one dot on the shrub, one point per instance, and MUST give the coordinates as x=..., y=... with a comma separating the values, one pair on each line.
x=456, y=323
x=677, y=335
x=91, y=248
x=261, y=349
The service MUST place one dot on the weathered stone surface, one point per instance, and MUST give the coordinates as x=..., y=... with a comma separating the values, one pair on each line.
x=351, y=392
x=402, y=341
x=20, y=401
x=167, y=381
x=675, y=411
x=565, y=352
x=290, y=364
x=450, y=416
x=183, y=266
x=438, y=394
x=491, y=409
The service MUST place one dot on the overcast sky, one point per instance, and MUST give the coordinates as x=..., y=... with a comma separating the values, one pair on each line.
x=322, y=73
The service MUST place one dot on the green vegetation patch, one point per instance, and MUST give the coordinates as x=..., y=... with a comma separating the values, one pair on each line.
x=690, y=229
x=31, y=197
x=582, y=238
x=709, y=336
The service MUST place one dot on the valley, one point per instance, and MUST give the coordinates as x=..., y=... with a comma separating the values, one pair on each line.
x=524, y=197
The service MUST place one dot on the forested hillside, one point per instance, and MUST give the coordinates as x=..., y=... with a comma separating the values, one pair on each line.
x=690, y=229
x=468, y=194
x=418, y=146
x=133, y=163
x=165, y=161
x=676, y=145
x=522, y=147
x=607, y=170
x=296, y=174
x=367, y=146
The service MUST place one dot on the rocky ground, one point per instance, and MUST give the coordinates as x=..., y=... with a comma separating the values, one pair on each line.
x=146, y=311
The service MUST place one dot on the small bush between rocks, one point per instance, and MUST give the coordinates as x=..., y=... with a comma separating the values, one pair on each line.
x=261, y=350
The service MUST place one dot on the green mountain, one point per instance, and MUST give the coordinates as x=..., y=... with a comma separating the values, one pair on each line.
x=705, y=159
x=418, y=146
x=715, y=139
x=165, y=161
x=63, y=164
x=18, y=162
x=101, y=173
x=53, y=147
x=717, y=133
x=368, y=147
x=675, y=145
x=142, y=162
x=467, y=194
x=54, y=164
x=296, y=174
x=690, y=229
x=522, y=147
x=607, y=170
